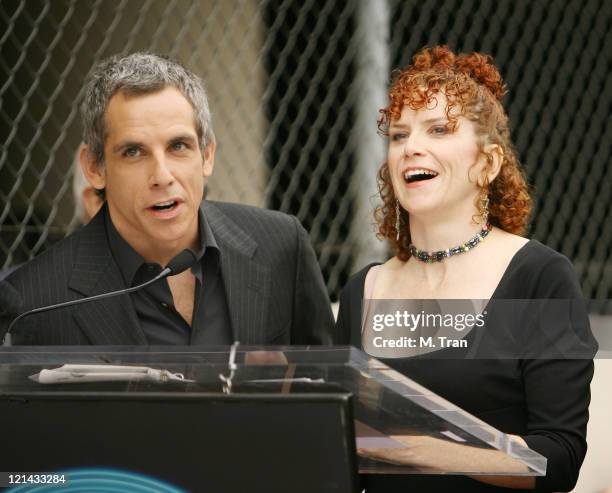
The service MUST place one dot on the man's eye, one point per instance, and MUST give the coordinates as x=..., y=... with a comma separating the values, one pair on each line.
x=132, y=152
x=178, y=146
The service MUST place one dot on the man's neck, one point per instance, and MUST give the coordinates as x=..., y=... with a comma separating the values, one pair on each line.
x=159, y=252
x=164, y=256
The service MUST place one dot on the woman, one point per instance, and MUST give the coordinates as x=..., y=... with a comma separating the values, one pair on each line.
x=455, y=205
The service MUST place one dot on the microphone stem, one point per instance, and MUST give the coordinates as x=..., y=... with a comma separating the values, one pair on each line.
x=162, y=274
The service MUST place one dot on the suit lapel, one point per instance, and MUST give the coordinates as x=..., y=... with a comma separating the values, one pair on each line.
x=112, y=321
x=247, y=283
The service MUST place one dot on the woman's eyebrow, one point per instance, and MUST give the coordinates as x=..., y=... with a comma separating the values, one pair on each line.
x=438, y=119
x=429, y=121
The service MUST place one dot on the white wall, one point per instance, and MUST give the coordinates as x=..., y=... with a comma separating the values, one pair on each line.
x=596, y=473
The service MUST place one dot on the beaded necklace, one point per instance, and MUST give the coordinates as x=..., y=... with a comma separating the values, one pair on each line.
x=438, y=256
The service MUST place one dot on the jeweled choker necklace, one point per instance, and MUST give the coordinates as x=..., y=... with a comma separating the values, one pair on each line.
x=431, y=257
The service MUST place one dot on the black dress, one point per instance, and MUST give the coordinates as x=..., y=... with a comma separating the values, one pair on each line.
x=545, y=401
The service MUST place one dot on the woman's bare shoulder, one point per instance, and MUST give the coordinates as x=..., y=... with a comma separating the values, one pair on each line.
x=380, y=274
x=499, y=249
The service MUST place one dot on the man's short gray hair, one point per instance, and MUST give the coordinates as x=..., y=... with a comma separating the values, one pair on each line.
x=134, y=74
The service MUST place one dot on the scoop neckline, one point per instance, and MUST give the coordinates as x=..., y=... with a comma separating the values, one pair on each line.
x=507, y=272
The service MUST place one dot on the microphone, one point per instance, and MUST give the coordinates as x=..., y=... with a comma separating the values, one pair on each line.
x=177, y=264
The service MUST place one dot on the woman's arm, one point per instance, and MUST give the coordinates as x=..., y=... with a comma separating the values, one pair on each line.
x=517, y=482
x=557, y=392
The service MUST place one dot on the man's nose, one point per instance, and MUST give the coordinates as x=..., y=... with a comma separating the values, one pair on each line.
x=161, y=172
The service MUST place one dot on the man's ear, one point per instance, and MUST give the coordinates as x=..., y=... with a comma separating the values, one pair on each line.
x=495, y=157
x=209, y=159
x=94, y=173
x=91, y=203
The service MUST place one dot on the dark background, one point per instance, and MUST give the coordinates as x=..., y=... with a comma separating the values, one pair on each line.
x=555, y=57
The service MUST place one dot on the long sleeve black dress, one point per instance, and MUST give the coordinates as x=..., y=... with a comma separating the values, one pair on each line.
x=545, y=401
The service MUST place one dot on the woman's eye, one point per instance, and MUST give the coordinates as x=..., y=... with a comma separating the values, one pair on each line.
x=397, y=136
x=439, y=130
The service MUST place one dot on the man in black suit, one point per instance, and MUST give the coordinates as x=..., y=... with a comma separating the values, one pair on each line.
x=149, y=149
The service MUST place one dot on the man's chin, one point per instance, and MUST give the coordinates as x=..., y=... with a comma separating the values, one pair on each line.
x=168, y=241
x=172, y=239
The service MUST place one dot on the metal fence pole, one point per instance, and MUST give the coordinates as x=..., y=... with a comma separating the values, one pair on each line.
x=372, y=75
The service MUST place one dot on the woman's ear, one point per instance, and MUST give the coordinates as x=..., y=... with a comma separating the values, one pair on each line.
x=495, y=157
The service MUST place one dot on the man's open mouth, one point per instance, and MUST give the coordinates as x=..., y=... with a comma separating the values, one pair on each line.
x=164, y=206
x=414, y=175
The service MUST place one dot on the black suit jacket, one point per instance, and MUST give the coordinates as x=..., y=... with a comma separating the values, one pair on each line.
x=274, y=288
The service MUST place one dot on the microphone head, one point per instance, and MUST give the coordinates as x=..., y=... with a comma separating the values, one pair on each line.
x=181, y=262
x=10, y=299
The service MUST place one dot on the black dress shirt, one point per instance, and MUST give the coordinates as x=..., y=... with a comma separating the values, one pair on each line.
x=154, y=305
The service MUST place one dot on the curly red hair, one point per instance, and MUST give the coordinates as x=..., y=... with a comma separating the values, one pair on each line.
x=473, y=88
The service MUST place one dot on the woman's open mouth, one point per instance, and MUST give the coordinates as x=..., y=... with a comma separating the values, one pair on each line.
x=419, y=175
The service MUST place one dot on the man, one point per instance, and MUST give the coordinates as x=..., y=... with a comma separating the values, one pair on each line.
x=86, y=204
x=149, y=149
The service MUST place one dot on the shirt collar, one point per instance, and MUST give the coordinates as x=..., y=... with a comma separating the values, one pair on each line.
x=207, y=238
x=130, y=261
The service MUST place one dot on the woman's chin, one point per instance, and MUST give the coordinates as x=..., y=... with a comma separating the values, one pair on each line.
x=421, y=209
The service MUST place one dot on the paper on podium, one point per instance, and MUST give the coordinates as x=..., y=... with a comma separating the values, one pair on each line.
x=105, y=373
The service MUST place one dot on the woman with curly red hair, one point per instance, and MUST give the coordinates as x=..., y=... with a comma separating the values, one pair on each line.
x=455, y=204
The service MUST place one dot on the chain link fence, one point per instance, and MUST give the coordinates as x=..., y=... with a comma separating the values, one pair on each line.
x=294, y=88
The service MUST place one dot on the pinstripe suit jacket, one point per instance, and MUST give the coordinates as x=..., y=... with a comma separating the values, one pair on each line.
x=273, y=284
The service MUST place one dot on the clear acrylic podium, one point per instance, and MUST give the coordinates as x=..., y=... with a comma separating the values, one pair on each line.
x=265, y=418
